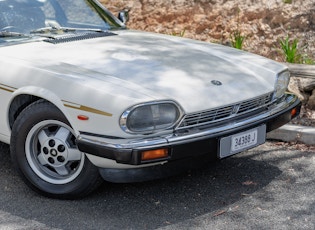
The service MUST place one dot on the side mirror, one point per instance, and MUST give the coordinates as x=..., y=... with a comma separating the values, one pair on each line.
x=123, y=15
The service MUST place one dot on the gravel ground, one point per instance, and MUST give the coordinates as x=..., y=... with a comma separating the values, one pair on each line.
x=287, y=201
x=269, y=187
x=306, y=117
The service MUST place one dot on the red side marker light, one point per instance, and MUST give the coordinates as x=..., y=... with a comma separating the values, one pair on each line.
x=83, y=118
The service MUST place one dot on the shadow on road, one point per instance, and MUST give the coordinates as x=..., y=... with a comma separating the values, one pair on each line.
x=146, y=205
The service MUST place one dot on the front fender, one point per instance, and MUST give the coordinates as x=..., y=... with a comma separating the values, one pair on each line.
x=46, y=95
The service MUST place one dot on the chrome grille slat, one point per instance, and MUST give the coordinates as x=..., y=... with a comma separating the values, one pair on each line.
x=226, y=112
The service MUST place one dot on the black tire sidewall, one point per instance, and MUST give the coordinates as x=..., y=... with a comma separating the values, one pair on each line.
x=37, y=112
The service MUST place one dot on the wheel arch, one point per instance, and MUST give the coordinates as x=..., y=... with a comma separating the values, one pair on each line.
x=23, y=97
x=43, y=150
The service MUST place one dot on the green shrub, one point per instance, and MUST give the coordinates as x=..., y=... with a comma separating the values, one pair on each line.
x=287, y=1
x=180, y=34
x=290, y=50
x=293, y=54
x=237, y=40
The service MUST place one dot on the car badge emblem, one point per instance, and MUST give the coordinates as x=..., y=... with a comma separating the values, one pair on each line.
x=235, y=109
x=216, y=82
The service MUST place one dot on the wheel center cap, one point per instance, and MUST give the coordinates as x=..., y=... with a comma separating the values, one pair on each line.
x=53, y=152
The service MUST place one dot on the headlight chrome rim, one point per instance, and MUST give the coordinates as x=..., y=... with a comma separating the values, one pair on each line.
x=124, y=117
x=281, y=88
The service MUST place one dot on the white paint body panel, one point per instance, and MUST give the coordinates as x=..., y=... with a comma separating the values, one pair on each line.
x=113, y=73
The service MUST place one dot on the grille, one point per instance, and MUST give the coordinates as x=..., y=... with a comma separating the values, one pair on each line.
x=226, y=112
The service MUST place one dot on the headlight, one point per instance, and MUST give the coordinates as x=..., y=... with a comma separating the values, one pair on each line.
x=281, y=84
x=150, y=117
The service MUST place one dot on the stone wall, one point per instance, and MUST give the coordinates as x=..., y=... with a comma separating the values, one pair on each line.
x=302, y=83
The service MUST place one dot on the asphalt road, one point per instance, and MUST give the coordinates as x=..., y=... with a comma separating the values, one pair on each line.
x=270, y=187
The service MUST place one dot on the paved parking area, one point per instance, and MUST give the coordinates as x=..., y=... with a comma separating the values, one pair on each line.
x=269, y=187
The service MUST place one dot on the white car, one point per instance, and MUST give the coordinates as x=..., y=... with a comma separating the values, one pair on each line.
x=85, y=99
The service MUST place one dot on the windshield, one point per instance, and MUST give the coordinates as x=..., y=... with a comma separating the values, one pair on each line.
x=27, y=16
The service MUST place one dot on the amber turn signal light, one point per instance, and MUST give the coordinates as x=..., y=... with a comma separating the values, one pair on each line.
x=154, y=154
x=293, y=112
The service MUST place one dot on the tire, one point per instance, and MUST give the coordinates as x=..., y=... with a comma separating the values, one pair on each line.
x=44, y=152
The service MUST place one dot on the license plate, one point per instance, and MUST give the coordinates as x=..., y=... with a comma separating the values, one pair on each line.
x=242, y=141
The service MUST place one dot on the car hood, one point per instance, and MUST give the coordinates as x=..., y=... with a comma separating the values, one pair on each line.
x=195, y=74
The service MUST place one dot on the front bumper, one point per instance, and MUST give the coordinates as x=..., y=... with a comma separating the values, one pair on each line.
x=193, y=144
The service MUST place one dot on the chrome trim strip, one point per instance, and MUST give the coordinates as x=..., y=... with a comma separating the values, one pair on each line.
x=170, y=139
x=206, y=117
x=213, y=130
x=124, y=117
x=130, y=145
x=100, y=135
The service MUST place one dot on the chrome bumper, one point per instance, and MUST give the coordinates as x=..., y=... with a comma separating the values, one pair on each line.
x=191, y=142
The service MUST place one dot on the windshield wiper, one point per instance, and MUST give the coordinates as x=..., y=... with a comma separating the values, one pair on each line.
x=5, y=34
x=58, y=29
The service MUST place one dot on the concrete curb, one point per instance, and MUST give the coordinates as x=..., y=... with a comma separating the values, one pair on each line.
x=289, y=133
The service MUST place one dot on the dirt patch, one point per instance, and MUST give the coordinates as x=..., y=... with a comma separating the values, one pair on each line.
x=263, y=22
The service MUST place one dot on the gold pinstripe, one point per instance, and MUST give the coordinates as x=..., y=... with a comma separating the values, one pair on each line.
x=66, y=103
x=88, y=109
x=7, y=88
